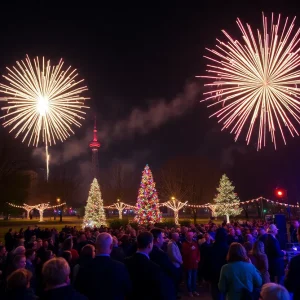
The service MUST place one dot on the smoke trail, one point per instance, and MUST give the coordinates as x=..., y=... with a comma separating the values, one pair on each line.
x=140, y=121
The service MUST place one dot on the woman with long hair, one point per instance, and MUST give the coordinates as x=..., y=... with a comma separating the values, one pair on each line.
x=18, y=286
x=238, y=277
x=260, y=260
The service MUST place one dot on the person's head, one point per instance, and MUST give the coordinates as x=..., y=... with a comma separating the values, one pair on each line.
x=158, y=237
x=249, y=238
x=88, y=251
x=207, y=237
x=49, y=254
x=56, y=272
x=189, y=236
x=88, y=234
x=20, y=242
x=238, y=232
x=184, y=229
x=248, y=247
x=125, y=240
x=258, y=248
x=68, y=244
x=175, y=237
x=45, y=244
x=67, y=255
x=30, y=254
x=82, y=237
x=39, y=243
x=19, y=261
x=104, y=243
x=115, y=242
x=19, y=250
x=232, y=231
x=2, y=251
x=273, y=229
x=262, y=230
x=273, y=291
x=19, y=279
x=145, y=241
x=236, y=252
x=254, y=233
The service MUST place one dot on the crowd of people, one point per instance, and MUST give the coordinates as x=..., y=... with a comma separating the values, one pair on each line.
x=237, y=261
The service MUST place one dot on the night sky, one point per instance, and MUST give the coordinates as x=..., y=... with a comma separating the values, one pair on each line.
x=138, y=63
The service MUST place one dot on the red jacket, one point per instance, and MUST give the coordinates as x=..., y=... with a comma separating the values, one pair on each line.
x=190, y=255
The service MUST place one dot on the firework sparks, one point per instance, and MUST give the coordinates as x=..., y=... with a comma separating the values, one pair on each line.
x=44, y=101
x=256, y=80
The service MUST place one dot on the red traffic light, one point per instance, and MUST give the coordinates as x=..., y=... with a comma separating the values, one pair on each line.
x=280, y=193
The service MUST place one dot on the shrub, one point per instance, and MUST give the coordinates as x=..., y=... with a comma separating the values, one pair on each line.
x=117, y=223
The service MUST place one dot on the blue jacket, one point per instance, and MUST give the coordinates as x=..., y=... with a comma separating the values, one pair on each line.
x=236, y=277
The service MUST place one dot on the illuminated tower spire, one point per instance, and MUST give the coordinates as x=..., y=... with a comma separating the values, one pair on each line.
x=95, y=145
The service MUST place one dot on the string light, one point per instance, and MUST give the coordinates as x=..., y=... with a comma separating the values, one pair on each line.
x=27, y=207
x=120, y=206
x=245, y=202
x=176, y=206
x=40, y=207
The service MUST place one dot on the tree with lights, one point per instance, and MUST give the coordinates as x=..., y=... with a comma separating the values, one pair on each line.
x=147, y=208
x=227, y=201
x=94, y=211
x=176, y=206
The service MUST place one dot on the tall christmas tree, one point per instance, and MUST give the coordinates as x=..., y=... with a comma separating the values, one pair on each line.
x=94, y=212
x=227, y=202
x=147, y=209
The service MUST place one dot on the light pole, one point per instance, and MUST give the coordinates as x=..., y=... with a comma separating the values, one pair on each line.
x=60, y=215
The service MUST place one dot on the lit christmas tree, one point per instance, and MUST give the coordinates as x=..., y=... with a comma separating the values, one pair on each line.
x=227, y=201
x=147, y=209
x=94, y=212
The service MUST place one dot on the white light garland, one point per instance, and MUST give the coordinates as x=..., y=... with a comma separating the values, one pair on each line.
x=176, y=206
x=40, y=207
x=120, y=206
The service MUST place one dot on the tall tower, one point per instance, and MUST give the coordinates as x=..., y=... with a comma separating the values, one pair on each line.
x=95, y=145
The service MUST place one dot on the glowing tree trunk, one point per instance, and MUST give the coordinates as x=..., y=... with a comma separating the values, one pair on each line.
x=40, y=207
x=43, y=206
x=28, y=210
x=176, y=218
x=176, y=206
x=213, y=210
x=227, y=218
x=41, y=212
x=120, y=206
x=27, y=207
